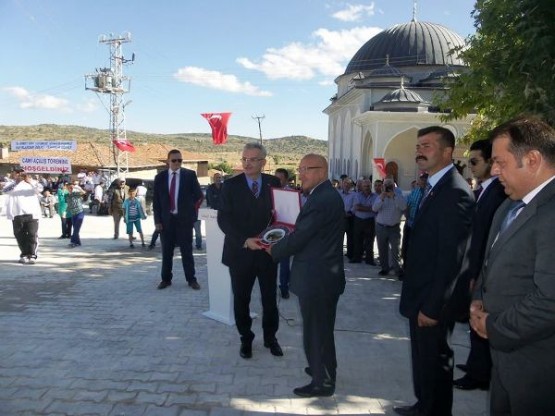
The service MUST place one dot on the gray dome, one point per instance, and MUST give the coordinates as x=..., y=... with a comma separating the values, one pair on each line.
x=409, y=44
x=402, y=95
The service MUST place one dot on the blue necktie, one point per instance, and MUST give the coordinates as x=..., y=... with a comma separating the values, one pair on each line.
x=427, y=191
x=511, y=214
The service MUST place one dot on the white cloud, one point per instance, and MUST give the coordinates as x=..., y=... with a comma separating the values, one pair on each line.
x=354, y=12
x=88, y=106
x=327, y=56
x=218, y=81
x=40, y=101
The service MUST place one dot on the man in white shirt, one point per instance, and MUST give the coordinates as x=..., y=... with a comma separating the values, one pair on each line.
x=23, y=209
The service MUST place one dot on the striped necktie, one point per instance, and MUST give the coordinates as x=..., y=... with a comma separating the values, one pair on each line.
x=511, y=214
x=254, y=188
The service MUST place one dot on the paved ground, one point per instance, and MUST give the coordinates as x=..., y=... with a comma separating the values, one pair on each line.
x=85, y=332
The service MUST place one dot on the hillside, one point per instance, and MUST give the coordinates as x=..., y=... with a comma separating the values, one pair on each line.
x=284, y=150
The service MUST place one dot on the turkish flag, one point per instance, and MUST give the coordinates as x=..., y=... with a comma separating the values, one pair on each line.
x=380, y=166
x=218, y=123
x=124, y=145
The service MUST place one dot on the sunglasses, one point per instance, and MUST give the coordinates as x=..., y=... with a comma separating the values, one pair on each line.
x=177, y=160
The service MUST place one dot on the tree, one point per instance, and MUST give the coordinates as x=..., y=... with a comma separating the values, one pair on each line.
x=511, y=60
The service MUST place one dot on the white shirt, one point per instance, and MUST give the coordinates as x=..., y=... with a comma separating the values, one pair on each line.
x=21, y=200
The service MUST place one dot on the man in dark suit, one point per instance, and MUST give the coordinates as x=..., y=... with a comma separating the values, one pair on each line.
x=176, y=197
x=489, y=195
x=514, y=300
x=317, y=275
x=436, y=247
x=245, y=211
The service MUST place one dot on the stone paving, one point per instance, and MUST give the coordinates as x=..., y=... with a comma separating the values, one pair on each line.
x=85, y=332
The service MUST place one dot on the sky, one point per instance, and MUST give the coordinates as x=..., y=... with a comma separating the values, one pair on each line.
x=276, y=59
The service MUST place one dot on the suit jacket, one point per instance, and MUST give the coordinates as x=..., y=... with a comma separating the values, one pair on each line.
x=188, y=196
x=317, y=245
x=517, y=285
x=482, y=218
x=242, y=216
x=437, y=245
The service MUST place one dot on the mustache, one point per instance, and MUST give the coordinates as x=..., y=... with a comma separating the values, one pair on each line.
x=420, y=158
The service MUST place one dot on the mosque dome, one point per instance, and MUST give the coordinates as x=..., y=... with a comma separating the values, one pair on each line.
x=409, y=44
x=402, y=95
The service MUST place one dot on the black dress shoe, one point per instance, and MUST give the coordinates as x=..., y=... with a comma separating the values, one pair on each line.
x=312, y=390
x=468, y=383
x=408, y=410
x=194, y=285
x=462, y=367
x=164, y=284
x=308, y=371
x=383, y=272
x=246, y=350
x=274, y=347
x=285, y=294
x=355, y=261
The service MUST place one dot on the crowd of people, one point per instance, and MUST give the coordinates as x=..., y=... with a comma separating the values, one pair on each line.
x=481, y=255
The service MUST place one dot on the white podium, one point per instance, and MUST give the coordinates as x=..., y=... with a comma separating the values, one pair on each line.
x=219, y=282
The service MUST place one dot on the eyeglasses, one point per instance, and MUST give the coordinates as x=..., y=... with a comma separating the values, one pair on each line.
x=176, y=160
x=474, y=162
x=303, y=169
x=251, y=159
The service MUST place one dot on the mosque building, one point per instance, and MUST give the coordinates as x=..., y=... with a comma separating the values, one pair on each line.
x=385, y=96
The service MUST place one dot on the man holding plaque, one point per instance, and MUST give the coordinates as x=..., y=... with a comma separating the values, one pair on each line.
x=245, y=211
x=317, y=275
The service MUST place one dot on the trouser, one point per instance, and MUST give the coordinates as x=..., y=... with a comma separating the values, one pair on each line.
x=405, y=242
x=77, y=222
x=363, y=239
x=117, y=215
x=284, y=273
x=389, y=238
x=256, y=264
x=432, y=367
x=318, y=312
x=478, y=362
x=349, y=224
x=25, y=230
x=198, y=234
x=177, y=233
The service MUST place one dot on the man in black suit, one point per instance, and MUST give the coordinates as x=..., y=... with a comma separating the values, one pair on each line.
x=436, y=248
x=176, y=197
x=317, y=274
x=489, y=195
x=514, y=300
x=245, y=211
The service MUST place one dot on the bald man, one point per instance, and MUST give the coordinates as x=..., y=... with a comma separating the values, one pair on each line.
x=317, y=275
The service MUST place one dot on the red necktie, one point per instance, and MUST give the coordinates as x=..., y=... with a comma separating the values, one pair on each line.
x=172, y=193
x=254, y=188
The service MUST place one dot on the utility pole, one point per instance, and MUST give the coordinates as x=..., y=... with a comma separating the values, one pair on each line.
x=259, y=119
x=111, y=81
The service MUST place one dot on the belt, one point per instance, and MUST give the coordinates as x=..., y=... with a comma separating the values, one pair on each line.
x=388, y=226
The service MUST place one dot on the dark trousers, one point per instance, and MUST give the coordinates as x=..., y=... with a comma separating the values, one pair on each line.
x=177, y=233
x=77, y=222
x=284, y=273
x=432, y=367
x=364, y=232
x=69, y=226
x=65, y=221
x=256, y=264
x=349, y=224
x=479, y=358
x=25, y=230
x=318, y=314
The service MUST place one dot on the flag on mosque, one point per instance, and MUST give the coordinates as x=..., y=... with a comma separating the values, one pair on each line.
x=218, y=123
x=380, y=166
x=123, y=144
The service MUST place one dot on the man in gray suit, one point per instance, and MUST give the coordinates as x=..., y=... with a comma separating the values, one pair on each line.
x=514, y=302
x=317, y=274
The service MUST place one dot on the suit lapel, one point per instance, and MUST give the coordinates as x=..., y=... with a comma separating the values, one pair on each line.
x=433, y=193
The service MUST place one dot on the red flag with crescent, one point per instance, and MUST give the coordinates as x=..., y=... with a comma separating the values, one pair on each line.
x=123, y=144
x=218, y=123
x=380, y=166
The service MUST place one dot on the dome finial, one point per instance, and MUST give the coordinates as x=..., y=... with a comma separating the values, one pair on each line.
x=414, y=4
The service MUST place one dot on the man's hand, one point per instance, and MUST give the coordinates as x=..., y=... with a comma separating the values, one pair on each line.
x=253, y=244
x=423, y=320
x=478, y=318
x=158, y=227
